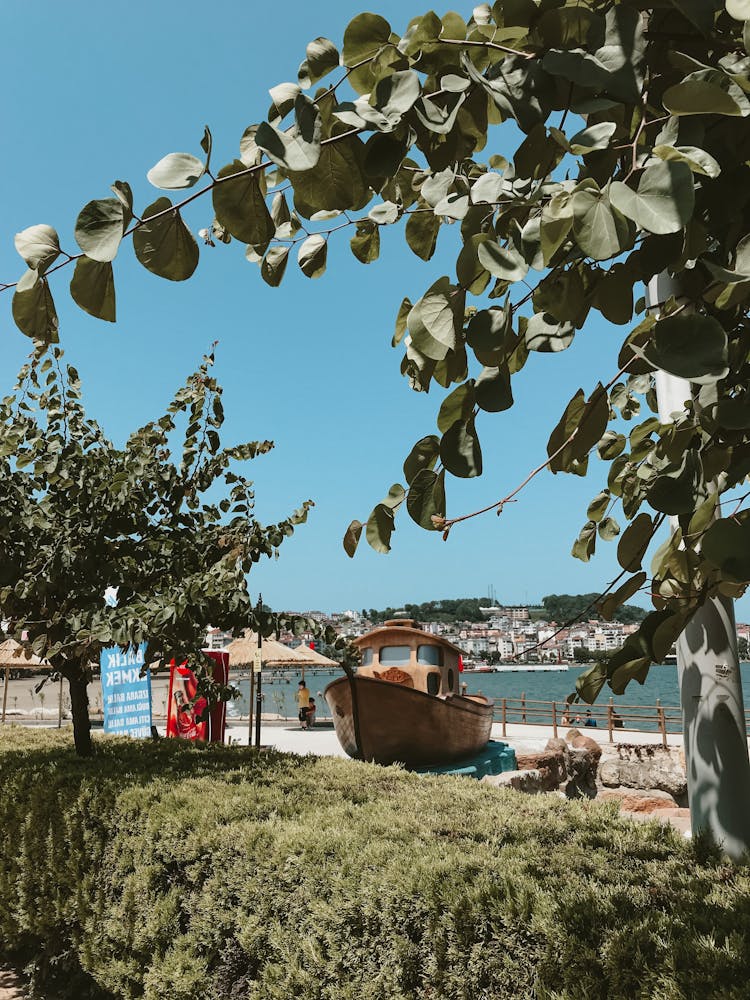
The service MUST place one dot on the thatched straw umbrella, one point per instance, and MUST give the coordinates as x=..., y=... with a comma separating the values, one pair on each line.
x=14, y=656
x=274, y=654
x=313, y=658
x=242, y=653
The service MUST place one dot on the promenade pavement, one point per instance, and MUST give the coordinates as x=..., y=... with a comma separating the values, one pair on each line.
x=321, y=740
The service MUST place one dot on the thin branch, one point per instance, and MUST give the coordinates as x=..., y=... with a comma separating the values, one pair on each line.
x=592, y=604
x=499, y=504
x=486, y=45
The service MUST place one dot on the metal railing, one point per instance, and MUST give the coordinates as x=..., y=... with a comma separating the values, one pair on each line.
x=664, y=719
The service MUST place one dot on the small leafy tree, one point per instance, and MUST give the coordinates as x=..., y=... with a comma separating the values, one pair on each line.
x=78, y=515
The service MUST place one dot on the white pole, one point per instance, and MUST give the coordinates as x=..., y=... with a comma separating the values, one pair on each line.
x=713, y=714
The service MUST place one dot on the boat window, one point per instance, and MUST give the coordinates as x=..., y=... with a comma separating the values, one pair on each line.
x=433, y=682
x=367, y=656
x=431, y=656
x=450, y=679
x=395, y=656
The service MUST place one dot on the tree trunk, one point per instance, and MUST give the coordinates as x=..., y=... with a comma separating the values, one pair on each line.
x=79, y=705
x=713, y=710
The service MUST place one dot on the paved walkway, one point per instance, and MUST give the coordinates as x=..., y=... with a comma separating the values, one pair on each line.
x=321, y=740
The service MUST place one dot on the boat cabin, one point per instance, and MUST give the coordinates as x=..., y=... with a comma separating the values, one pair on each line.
x=400, y=652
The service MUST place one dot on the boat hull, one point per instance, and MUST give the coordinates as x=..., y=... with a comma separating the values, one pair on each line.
x=397, y=723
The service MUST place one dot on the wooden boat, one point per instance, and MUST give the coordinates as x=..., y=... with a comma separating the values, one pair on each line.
x=404, y=704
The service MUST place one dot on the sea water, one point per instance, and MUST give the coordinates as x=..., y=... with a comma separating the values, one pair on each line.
x=280, y=689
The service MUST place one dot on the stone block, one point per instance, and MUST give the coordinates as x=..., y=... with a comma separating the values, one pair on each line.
x=532, y=781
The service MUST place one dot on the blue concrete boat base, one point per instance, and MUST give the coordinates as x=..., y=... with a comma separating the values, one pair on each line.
x=494, y=758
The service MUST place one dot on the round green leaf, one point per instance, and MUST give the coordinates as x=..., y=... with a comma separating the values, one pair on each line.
x=93, y=288
x=422, y=456
x=585, y=545
x=664, y=200
x=124, y=195
x=460, y=451
x=421, y=232
x=487, y=189
x=502, y=262
x=677, y=492
x=395, y=94
x=592, y=138
x=690, y=346
x=555, y=224
x=426, y=498
x=598, y=506
x=384, y=154
x=273, y=265
x=351, y=538
x=546, y=334
x=590, y=682
x=34, y=308
x=395, y=496
x=608, y=529
x=384, y=214
x=380, y=527
x=336, y=184
x=698, y=160
x=738, y=9
x=298, y=148
x=458, y=405
x=321, y=57
x=165, y=246
x=702, y=96
x=727, y=545
x=99, y=228
x=492, y=390
x=600, y=232
x=615, y=600
x=611, y=445
x=39, y=246
x=312, y=256
x=175, y=171
x=635, y=540
x=489, y=329
x=431, y=321
x=365, y=243
x=364, y=35
x=241, y=208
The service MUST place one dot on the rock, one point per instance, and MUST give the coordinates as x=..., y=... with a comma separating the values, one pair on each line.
x=582, y=768
x=639, y=801
x=551, y=766
x=531, y=781
x=580, y=742
x=646, y=767
x=555, y=745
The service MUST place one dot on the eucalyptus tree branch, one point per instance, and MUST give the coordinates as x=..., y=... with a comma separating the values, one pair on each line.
x=215, y=182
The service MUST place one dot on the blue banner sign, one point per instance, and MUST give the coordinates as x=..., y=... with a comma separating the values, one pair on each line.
x=126, y=696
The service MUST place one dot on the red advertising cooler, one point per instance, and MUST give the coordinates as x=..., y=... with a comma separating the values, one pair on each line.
x=184, y=715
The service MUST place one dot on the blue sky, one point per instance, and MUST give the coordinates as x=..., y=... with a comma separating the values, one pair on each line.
x=91, y=96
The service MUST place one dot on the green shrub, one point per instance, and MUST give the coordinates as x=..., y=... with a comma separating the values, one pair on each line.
x=163, y=870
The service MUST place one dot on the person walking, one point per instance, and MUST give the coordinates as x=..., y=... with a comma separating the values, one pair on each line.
x=303, y=703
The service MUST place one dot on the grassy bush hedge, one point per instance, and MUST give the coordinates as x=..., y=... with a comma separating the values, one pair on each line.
x=165, y=871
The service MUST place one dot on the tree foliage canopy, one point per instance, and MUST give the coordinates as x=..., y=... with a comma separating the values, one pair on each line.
x=79, y=515
x=564, y=607
x=624, y=130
